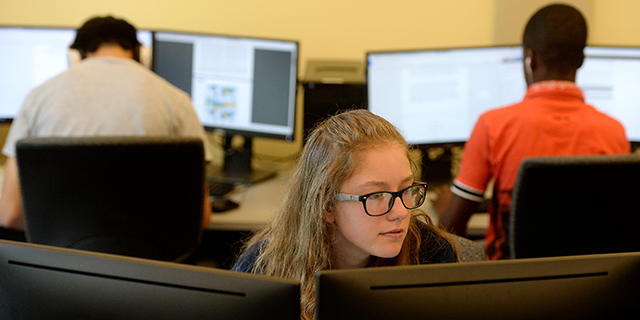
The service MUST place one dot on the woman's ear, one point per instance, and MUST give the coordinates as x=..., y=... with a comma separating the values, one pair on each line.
x=328, y=215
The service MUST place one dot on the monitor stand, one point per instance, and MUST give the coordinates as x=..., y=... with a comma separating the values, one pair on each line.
x=237, y=165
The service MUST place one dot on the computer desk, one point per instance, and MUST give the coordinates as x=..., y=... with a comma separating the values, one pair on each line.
x=259, y=202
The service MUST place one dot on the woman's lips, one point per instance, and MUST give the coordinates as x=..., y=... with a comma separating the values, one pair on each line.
x=395, y=233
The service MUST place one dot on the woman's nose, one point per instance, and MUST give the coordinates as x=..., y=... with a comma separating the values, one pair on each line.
x=398, y=210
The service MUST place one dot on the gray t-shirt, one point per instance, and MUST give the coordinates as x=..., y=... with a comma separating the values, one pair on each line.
x=105, y=96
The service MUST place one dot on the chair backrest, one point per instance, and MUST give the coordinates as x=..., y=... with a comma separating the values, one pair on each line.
x=134, y=196
x=575, y=205
x=468, y=250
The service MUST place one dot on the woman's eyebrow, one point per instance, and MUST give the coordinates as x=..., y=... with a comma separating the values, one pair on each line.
x=382, y=184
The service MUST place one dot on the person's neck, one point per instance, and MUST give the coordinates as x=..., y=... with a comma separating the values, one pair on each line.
x=344, y=264
x=114, y=51
x=346, y=259
x=555, y=76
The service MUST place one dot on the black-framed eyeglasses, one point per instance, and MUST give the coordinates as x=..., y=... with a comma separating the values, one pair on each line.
x=380, y=203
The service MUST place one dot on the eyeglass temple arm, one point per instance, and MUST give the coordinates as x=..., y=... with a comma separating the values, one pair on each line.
x=347, y=197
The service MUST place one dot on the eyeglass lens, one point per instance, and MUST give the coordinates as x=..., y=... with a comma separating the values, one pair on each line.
x=380, y=203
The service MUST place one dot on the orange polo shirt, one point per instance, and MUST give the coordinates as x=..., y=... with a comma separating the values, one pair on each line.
x=553, y=119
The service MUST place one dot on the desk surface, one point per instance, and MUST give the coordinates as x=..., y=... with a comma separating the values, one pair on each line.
x=259, y=202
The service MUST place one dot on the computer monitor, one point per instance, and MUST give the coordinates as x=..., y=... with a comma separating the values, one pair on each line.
x=40, y=282
x=610, y=81
x=238, y=85
x=31, y=55
x=577, y=287
x=436, y=96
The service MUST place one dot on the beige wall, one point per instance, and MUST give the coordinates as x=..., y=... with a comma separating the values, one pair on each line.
x=330, y=28
x=512, y=16
x=334, y=29
x=616, y=23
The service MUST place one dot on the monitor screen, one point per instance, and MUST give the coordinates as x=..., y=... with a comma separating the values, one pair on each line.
x=436, y=96
x=610, y=80
x=40, y=282
x=237, y=84
x=578, y=287
x=31, y=55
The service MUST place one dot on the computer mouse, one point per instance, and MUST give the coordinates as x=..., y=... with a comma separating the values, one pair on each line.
x=222, y=204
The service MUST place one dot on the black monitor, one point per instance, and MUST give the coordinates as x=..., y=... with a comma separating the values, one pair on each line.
x=31, y=55
x=238, y=85
x=577, y=287
x=436, y=96
x=40, y=282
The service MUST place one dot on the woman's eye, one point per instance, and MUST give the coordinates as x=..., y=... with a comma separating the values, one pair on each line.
x=376, y=196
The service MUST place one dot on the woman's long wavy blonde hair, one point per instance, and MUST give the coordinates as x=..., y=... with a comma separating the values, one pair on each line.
x=297, y=243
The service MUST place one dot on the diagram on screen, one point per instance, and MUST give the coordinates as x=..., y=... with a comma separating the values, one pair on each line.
x=221, y=103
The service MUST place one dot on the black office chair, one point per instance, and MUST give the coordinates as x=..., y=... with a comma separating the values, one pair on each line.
x=575, y=205
x=134, y=196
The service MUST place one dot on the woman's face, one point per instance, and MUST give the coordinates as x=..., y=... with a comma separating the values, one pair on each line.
x=359, y=236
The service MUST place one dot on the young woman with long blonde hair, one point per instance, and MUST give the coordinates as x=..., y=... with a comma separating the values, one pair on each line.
x=352, y=202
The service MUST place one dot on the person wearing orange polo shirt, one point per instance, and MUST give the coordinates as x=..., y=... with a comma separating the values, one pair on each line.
x=552, y=119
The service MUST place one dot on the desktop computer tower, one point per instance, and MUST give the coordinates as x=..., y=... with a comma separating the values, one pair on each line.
x=331, y=86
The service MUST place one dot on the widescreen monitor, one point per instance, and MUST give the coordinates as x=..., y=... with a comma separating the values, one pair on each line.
x=610, y=80
x=238, y=85
x=576, y=287
x=436, y=96
x=31, y=55
x=40, y=282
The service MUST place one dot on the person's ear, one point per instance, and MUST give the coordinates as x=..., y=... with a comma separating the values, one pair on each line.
x=581, y=61
x=328, y=215
x=529, y=60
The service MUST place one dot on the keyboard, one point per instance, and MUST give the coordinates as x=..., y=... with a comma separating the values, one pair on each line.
x=219, y=188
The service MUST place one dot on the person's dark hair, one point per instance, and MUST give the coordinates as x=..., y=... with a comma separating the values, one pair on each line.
x=557, y=34
x=99, y=30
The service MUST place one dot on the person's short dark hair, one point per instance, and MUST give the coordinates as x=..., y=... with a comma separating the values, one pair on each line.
x=99, y=30
x=557, y=34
